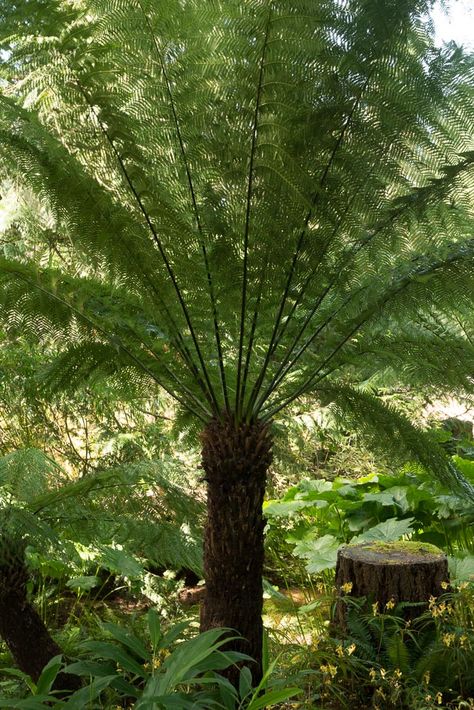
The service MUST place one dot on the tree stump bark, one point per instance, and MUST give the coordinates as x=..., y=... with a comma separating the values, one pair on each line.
x=390, y=572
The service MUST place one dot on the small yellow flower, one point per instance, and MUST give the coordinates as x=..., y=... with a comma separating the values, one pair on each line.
x=375, y=608
x=340, y=651
x=448, y=639
x=438, y=610
x=347, y=587
x=350, y=649
x=383, y=672
x=426, y=678
x=328, y=670
x=444, y=585
x=372, y=674
x=397, y=673
x=439, y=698
x=463, y=585
x=390, y=604
x=463, y=641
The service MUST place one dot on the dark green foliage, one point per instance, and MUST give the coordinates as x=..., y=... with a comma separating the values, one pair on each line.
x=434, y=650
x=155, y=672
x=381, y=660
x=240, y=203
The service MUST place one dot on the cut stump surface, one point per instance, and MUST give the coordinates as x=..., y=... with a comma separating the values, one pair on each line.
x=390, y=572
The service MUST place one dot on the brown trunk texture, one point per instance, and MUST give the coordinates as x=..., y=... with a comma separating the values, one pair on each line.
x=385, y=572
x=235, y=459
x=24, y=632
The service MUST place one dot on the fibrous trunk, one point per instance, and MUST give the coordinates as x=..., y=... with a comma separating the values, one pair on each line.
x=22, y=629
x=235, y=459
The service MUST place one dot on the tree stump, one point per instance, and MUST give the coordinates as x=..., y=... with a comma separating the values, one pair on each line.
x=390, y=572
x=192, y=595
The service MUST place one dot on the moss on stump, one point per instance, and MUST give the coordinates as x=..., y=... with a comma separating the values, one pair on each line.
x=391, y=572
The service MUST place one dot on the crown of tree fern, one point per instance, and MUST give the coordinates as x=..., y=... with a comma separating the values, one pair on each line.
x=241, y=198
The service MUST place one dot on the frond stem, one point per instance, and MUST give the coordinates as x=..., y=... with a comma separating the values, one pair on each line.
x=157, y=240
x=276, y=329
x=197, y=218
x=241, y=382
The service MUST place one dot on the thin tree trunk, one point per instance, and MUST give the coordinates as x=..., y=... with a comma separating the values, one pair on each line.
x=22, y=629
x=235, y=459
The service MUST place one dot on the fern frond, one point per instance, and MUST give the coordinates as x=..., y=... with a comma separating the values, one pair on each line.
x=136, y=504
x=388, y=431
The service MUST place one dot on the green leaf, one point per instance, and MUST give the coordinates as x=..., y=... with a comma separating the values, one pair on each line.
x=317, y=486
x=173, y=633
x=154, y=628
x=176, y=701
x=321, y=553
x=39, y=702
x=307, y=608
x=181, y=664
x=273, y=697
x=48, y=675
x=245, y=682
x=388, y=531
x=127, y=639
x=283, y=509
x=91, y=668
x=120, y=562
x=397, y=495
x=102, y=649
x=82, y=698
x=85, y=583
x=462, y=568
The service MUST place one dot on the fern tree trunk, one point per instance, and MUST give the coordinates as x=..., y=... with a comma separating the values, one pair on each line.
x=235, y=459
x=22, y=629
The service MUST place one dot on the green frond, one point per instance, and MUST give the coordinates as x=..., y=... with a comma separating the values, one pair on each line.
x=136, y=504
x=431, y=357
x=54, y=306
x=26, y=474
x=389, y=432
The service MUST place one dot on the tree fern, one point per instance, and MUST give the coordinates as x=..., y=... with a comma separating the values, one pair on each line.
x=244, y=194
